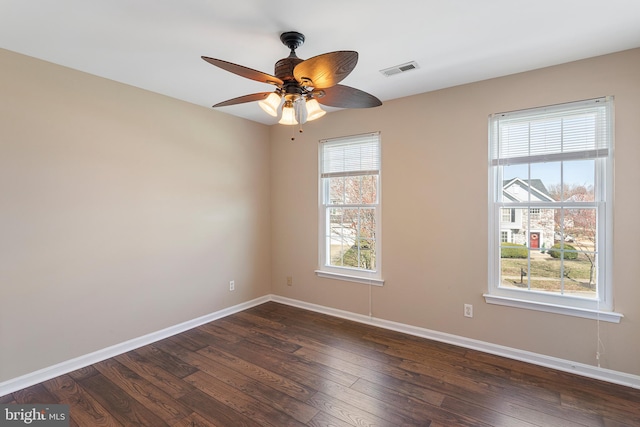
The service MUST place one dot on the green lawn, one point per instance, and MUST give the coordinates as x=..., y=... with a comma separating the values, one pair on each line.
x=545, y=274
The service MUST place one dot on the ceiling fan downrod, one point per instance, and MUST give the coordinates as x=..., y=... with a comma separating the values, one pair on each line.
x=292, y=40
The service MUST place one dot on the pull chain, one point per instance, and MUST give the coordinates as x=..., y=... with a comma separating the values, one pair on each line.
x=293, y=132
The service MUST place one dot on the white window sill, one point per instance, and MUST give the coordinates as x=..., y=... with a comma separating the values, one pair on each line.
x=349, y=278
x=605, y=316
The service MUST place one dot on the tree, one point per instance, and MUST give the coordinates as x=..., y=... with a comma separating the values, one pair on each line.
x=579, y=223
x=353, y=219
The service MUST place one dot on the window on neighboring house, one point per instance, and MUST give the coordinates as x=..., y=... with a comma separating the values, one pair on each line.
x=349, y=190
x=508, y=215
x=504, y=236
x=557, y=162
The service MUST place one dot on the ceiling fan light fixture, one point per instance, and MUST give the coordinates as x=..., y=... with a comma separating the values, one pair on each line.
x=271, y=104
x=299, y=82
x=288, y=114
x=314, y=111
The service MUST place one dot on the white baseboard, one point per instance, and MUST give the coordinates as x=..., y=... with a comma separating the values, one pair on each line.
x=582, y=369
x=67, y=366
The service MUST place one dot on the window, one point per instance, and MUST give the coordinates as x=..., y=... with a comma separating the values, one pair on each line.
x=550, y=193
x=349, y=231
x=508, y=215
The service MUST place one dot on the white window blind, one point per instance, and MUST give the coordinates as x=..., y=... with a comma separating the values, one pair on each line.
x=351, y=156
x=570, y=131
x=349, y=208
x=561, y=157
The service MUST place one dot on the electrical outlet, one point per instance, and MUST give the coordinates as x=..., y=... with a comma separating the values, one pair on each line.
x=232, y=285
x=468, y=310
x=289, y=281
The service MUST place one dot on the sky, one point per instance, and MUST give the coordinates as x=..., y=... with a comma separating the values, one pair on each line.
x=576, y=172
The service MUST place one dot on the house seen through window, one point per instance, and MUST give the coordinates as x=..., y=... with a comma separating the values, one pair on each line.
x=550, y=205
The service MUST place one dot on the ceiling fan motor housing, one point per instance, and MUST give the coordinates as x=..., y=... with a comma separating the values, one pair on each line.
x=284, y=68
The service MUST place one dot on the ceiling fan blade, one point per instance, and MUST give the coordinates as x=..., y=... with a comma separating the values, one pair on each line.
x=242, y=99
x=347, y=97
x=240, y=70
x=326, y=70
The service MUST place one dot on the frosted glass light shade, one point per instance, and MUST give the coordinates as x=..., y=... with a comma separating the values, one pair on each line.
x=288, y=114
x=313, y=110
x=270, y=104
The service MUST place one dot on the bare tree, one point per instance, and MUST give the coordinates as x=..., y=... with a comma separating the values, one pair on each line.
x=578, y=223
x=354, y=222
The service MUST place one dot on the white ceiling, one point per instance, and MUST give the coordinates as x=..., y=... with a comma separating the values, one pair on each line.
x=157, y=44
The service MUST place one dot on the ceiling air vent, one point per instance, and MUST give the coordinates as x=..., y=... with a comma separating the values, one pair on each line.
x=388, y=72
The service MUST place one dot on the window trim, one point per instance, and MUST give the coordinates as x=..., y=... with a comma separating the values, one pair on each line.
x=605, y=316
x=349, y=278
x=350, y=274
x=601, y=307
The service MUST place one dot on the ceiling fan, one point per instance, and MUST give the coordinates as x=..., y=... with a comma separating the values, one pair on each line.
x=301, y=85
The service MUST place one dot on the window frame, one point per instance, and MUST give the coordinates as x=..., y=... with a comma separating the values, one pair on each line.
x=600, y=307
x=325, y=269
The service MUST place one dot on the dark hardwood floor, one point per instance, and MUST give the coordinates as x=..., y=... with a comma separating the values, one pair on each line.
x=276, y=365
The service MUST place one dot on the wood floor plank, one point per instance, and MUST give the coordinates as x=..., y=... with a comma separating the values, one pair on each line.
x=81, y=373
x=348, y=339
x=164, y=360
x=279, y=382
x=83, y=408
x=260, y=322
x=354, y=354
x=518, y=417
x=34, y=394
x=349, y=413
x=322, y=419
x=246, y=405
x=38, y=394
x=312, y=375
x=153, y=398
x=6, y=399
x=193, y=339
x=218, y=333
x=491, y=390
x=215, y=411
x=153, y=373
x=380, y=374
x=380, y=406
x=195, y=420
x=397, y=390
x=277, y=365
x=267, y=392
x=120, y=405
x=595, y=403
x=466, y=383
x=237, y=325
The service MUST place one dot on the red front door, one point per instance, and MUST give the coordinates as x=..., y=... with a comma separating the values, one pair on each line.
x=534, y=240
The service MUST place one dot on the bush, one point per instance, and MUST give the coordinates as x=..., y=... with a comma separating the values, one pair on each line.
x=555, y=251
x=364, y=260
x=513, y=250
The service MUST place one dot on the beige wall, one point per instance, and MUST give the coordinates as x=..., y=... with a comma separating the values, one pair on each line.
x=434, y=195
x=122, y=212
